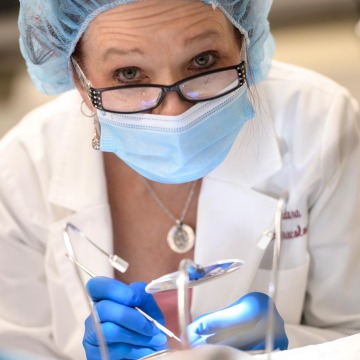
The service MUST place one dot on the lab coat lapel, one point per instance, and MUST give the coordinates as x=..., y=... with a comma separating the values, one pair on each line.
x=78, y=196
x=77, y=185
x=228, y=203
x=94, y=223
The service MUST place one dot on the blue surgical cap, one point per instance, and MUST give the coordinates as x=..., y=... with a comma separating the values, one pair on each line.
x=50, y=30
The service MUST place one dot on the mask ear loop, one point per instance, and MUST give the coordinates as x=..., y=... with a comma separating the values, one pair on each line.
x=86, y=86
x=272, y=291
x=95, y=317
x=251, y=89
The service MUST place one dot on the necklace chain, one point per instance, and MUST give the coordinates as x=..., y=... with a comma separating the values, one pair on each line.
x=165, y=209
x=181, y=237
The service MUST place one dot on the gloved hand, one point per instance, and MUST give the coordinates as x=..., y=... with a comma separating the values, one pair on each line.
x=128, y=334
x=241, y=325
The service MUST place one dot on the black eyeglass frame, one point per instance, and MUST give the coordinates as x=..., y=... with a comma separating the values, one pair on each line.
x=95, y=94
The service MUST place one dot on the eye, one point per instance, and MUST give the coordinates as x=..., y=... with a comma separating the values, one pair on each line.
x=205, y=60
x=127, y=75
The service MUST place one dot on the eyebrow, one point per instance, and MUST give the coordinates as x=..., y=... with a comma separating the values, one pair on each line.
x=203, y=36
x=118, y=51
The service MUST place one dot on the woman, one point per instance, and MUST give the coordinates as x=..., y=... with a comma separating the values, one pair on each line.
x=214, y=147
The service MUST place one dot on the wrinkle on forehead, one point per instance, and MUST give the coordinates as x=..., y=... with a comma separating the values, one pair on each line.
x=152, y=11
x=147, y=15
x=141, y=26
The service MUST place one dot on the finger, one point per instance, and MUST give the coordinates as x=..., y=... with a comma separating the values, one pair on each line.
x=115, y=334
x=125, y=351
x=237, y=317
x=282, y=342
x=243, y=313
x=92, y=351
x=103, y=288
x=127, y=317
x=238, y=342
x=148, y=304
x=254, y=347
x=196, y=340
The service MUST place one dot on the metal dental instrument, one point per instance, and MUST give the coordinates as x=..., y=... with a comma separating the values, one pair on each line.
x=115, y=261
x=80, y=266
x=189, y=275
x=186, y=268
x=272, y=291
x=159, y=326
x=182, y=283
x=197, y=274
x=95, y=317
x=91, y=274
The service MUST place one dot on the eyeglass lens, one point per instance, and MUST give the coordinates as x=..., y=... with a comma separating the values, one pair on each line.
x=198, y=89
x=209, y=86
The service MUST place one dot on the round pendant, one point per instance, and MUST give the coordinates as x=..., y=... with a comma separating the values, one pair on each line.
x=181, y=238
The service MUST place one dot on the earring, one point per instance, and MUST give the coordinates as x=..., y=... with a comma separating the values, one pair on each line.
x=95, y=142
x=92, y=114
x=96, y=138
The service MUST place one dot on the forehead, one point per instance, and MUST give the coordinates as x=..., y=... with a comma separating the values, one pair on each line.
x=157, y=20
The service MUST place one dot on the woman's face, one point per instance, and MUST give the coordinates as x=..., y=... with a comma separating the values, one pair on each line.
x=157, y=42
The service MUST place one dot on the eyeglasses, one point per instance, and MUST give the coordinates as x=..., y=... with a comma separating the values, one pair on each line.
x=129, y=99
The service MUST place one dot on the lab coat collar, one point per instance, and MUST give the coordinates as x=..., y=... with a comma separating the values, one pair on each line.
x=229, y=202
x=95, y=223
x=255, y=155
x=78, y=184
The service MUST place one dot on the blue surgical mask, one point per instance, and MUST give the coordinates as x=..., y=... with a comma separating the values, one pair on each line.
x=177, y=149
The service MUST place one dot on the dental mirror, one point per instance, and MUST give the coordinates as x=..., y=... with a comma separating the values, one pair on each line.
x=198, y=274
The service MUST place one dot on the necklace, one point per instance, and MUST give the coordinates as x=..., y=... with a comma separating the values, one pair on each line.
x=181, y=237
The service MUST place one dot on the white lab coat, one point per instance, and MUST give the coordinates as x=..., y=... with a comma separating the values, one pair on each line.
x=304, y=141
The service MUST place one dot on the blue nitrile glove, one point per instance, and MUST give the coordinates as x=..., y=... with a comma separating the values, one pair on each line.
x=241, y=325
x=128, y=334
